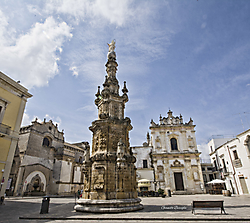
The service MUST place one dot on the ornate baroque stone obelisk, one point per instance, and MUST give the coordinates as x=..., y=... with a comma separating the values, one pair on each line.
x=110, y=174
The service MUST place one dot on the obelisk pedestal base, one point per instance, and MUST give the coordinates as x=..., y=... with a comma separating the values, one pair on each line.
x=108, y=206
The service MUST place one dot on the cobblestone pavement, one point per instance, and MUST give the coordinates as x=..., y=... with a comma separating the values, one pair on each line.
x=156, y=209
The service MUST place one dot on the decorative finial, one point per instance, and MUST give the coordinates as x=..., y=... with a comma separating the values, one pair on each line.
x=98, y=92
x=191, y=121
x=125, y=90
x=181, y=119
x=160, y=117
x=170, y=113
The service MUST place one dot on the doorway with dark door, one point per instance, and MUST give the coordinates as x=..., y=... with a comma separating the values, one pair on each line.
x=178, y=181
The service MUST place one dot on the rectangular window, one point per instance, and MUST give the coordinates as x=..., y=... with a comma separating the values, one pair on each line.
x=3, y=105
x=1, y=113
x=211, y=177
x=224, y=165
x=235, y=155
x=211, y=148
x=205, y=178
x=145, y=164
x=215, y=166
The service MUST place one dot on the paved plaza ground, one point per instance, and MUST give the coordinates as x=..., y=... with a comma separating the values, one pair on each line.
x=156, y=209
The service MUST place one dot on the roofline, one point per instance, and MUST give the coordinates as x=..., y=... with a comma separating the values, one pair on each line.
x=15, y=85
x=248, y=130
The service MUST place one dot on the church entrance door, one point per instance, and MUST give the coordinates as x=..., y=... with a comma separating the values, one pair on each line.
x=178, y=181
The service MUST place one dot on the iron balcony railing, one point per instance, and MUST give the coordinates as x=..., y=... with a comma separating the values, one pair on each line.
x=237, y=163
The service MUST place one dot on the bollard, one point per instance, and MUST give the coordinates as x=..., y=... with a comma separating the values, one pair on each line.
x=45, y=205
x=2, y=200
x=169, y=193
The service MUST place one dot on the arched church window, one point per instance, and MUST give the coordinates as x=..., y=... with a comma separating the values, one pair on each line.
x=46, y=141
x=174, y=144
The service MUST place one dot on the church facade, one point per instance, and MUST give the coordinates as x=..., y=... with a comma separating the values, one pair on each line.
x=175, y=156
x=44, y=163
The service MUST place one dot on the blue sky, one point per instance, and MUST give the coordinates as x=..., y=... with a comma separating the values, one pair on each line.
x=190, y=56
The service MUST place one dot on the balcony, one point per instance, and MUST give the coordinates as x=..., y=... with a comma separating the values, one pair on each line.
x=225, y=171
x=237, y=163
x=4, y=130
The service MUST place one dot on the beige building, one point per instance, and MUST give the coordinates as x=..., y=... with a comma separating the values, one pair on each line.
x=13, y=98
x=45, y=164
x=175, y=156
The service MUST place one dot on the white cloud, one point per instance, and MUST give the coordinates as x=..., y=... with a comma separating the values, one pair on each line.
x=5, y=36
x=90, y=108
x=33, y=58
x=36, y=54
x=203, y=25
x=137, y=104
x=34, y=9
x=231, y=60
x=143, y=41
x=56, y=120
x=26, y=120
x=74, y=70
x=113, y=11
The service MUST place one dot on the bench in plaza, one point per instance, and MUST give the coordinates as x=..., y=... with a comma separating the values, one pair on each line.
x=207, y=204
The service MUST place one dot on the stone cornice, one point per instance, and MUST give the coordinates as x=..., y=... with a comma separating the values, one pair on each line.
x=9, y=84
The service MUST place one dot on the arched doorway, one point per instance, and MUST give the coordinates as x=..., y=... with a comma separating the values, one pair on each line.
x=35, y=184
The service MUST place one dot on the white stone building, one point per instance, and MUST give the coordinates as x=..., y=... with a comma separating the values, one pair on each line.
x=175, y=156
x=214, y=142
x=144, y=169
x=44, y=163
x=232, y=160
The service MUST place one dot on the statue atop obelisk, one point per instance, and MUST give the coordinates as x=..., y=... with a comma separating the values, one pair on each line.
x=110, y=173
